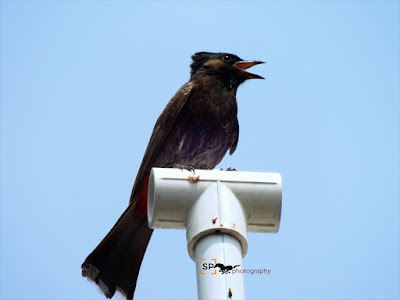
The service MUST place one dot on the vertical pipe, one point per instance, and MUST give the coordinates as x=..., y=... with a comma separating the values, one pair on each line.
x=219, y=282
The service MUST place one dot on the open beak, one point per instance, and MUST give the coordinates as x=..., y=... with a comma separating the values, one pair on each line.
x=243, y=65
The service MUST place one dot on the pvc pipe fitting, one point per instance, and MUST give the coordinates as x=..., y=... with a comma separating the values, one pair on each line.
x=215, y=201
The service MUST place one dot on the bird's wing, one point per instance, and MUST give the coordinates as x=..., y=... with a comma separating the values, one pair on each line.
x=161, y=129
x=233, y=141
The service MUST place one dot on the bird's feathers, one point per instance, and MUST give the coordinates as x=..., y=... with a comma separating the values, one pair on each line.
x=160, y=132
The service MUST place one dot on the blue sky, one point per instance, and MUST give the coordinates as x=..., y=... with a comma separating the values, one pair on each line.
x=82, y=84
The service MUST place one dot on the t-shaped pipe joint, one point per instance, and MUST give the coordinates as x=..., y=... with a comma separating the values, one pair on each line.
x=212, y=201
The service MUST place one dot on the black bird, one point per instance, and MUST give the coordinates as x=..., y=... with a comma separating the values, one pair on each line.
x=195, y=130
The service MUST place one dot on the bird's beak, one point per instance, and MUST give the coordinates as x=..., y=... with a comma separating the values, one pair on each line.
x=243, y=65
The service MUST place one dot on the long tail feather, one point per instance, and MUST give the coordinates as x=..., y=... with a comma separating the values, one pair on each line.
x=115, y=263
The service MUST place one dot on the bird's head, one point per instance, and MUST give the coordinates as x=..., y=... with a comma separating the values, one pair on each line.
x=230, y=68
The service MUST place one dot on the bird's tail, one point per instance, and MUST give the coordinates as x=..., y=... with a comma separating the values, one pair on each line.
x=115, y=263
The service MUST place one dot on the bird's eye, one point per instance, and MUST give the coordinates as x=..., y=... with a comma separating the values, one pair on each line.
x=226, y=58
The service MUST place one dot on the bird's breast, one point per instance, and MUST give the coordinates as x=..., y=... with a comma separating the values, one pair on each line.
x=201, y=133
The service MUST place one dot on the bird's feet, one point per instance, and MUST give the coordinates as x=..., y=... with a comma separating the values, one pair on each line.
x=189, y=167
x=228, y=169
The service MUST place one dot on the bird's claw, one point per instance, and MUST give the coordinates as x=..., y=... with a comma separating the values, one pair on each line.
x=188, y=167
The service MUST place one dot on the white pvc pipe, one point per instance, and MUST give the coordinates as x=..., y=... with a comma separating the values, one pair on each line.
x=217, y=209
x=171, y=196
x=219, y=282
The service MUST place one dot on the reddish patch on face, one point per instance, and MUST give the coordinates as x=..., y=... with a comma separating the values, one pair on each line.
x=141, y=208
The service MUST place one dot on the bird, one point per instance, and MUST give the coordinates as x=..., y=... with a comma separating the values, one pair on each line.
x=195, y=130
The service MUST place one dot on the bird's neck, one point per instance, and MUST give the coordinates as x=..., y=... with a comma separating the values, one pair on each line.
x=227, y=83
